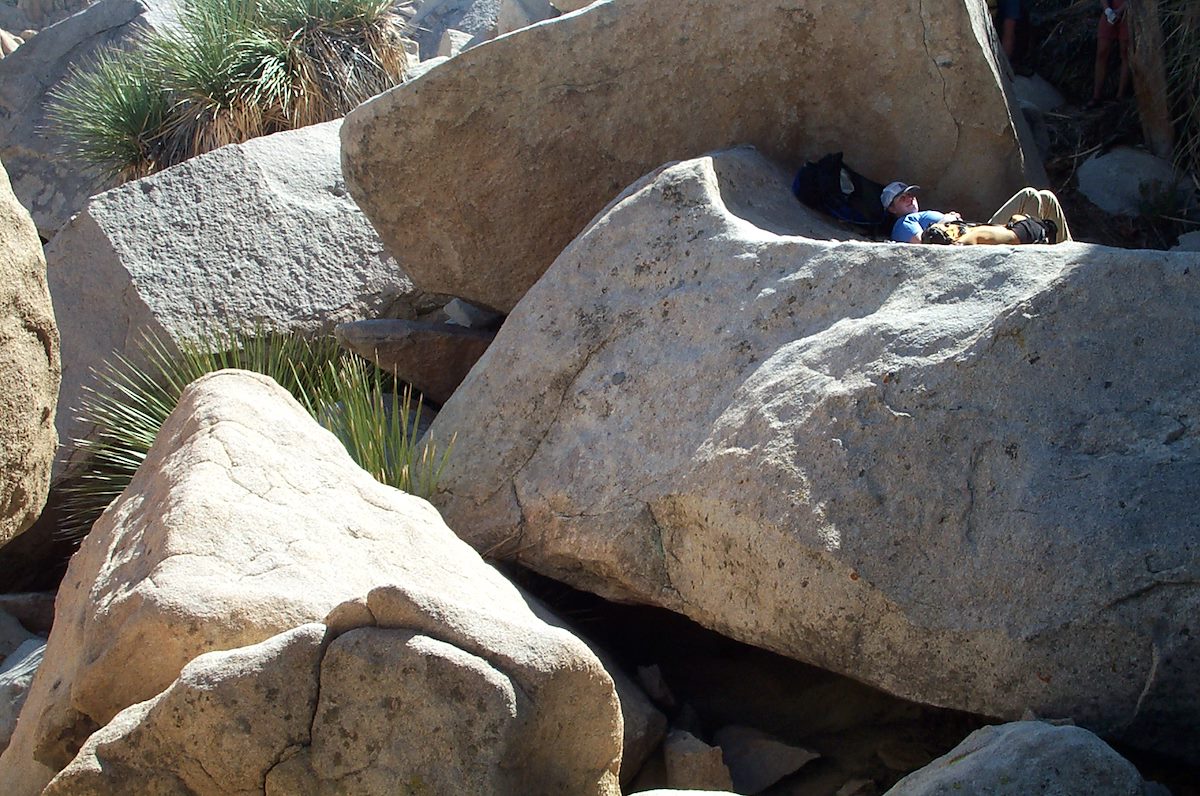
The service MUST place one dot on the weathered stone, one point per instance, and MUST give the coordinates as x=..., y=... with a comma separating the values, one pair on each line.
x=260, y=233
x=516, y=14
x=549, y=123
x=1126, y=181
x=34, y=610
x=566, y=6
x=691, y=763
x=43, y=13
x=1037, y=91
x=906, y=464
x=476, y=18
x=1026, y=757
x=218, y=729
x=432, y=357
x=643, y=725
x=247, y=519
x=466, y=314
x=16, y=675
x=453, y=42
x=757, y=760
x=1188, y=242
x=387, y=708
x=51, y=186
x=29, y=369
x=12, y=634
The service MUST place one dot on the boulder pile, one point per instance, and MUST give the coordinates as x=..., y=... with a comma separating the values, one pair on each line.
x=933, y=470
x=546, y=126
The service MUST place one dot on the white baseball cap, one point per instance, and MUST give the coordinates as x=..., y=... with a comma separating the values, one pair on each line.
x=893, y=190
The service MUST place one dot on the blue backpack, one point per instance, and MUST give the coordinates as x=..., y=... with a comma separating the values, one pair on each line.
x=831, y=187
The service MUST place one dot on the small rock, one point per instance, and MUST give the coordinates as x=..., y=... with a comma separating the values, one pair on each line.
x=453, y=42
x=1026, y=757
x=691, y=763
x=1126, y=181
x=467, y=314
x=757, y=760
x=1038, y=92
x=1188, y=242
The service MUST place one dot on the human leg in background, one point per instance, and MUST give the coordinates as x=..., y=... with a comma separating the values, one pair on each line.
x=1113, y=27
x=1103, y=49
x=1123, y=83
x=1010, y=12
x=1032, y=202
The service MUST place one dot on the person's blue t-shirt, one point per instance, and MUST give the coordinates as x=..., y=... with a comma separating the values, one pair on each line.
x=914, y=224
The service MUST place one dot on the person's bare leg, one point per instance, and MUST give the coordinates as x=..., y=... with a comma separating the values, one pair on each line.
x=1008, y=37
x=1103, y=47
x=1123, y=84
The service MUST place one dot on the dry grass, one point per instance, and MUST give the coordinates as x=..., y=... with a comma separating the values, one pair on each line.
x=234, y=70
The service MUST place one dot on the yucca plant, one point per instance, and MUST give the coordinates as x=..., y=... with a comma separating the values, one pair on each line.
x=374, y=418
x=115, y=111
x=231, y=71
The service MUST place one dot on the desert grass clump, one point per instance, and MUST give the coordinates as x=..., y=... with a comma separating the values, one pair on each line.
x=1181, y=50
x=376, y=420
x=232, y=70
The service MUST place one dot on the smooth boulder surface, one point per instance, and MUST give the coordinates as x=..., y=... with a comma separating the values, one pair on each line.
x=29, y=369
x=962, y=475
x=1129, y=182
x=1026, y=757
x=261, y=233
x=51, y=186
x=548, y=124
x=245, y=520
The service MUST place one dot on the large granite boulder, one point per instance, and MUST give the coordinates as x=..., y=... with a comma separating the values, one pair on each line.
x=246, y=520
x=293, y=712
x=52, y=186
x=550, y=123
x=1026, y=757
x=255, y=233
x=29, y=369
x=962, y=475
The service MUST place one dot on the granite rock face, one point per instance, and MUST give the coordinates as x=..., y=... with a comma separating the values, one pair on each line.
x=963, y=475
x=247, y=520
x=548, y=124
x=29, y=369
x=256, y=233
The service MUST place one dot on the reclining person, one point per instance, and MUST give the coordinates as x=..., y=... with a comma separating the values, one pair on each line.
x=1016, y=222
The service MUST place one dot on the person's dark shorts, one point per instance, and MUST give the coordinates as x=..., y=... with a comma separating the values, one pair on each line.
x=1010, y=9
